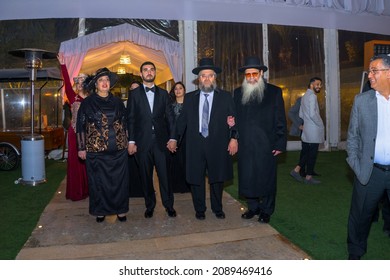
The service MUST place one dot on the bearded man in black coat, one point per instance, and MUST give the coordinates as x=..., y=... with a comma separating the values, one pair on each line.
x=207, y=123
x=261, y=121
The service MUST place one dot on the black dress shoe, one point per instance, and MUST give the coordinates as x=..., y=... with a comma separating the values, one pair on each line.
x=200, y=215
x=100, y=219
x=148, y=213
x=171, y=212
x=249, y=214
x=353, y=257
x=264, y=218
x=122, y=218
x=220, y=215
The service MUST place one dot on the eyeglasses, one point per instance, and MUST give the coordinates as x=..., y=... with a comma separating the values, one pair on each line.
x=253, y=74
x=375, y=71
x=207, y=76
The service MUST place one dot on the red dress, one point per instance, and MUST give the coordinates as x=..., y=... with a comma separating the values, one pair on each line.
x=76, y=180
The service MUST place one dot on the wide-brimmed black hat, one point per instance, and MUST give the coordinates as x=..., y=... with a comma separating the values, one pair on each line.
x=253, y=62
x=206, y=63
x=103, y=72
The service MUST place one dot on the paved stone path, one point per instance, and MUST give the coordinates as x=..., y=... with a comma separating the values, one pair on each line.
x=66, y=231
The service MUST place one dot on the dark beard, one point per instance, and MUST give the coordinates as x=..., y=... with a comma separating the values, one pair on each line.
x=252, y=92
x=148, y=80
x=208, y=89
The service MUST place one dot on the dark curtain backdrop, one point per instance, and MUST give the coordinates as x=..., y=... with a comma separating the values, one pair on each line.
x=229, y=44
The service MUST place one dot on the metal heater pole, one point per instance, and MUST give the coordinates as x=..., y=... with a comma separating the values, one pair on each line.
x=33, y=148
x=33, y=77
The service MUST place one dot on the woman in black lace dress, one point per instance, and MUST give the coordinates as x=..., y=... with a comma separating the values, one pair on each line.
x=102, y=143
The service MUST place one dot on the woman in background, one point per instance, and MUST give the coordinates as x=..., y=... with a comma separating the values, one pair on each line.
x=134, y=176
x=133, y=85
x=76, y=178
x=176, y=166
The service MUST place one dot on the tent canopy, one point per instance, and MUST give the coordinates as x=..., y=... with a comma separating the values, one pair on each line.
x=88, y=53
x=371, y=16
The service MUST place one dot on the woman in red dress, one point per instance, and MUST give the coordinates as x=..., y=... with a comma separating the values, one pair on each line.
x=76, y=180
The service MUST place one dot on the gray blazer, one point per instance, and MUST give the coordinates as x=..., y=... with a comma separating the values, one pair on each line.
x=296, y=121
x=362, y=132
x=313, y=127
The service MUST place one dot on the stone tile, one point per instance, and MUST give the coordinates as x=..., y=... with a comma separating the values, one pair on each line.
x=66, y=231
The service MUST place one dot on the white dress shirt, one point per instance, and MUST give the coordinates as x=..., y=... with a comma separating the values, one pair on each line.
x=382, y=146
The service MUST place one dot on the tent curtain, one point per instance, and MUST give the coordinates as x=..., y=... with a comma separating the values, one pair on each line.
x=350, y=6
x=75, y=50
x=372, y=16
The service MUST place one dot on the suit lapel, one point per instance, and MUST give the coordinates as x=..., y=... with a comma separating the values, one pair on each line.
x=372, y=113
x=145, y=100
x=156, y=100
x=196, y=109
x=214, y=108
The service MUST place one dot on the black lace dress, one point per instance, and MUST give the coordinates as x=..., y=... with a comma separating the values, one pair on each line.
x=101, y=132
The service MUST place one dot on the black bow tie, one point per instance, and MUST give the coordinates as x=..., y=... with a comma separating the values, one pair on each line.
x=150, y=89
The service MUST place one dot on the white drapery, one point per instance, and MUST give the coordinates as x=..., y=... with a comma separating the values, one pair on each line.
x=371, y=16
x=103, y=49
x=16, y=9
x=350, y=6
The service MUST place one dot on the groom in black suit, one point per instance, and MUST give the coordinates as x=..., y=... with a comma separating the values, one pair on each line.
x=151, y=129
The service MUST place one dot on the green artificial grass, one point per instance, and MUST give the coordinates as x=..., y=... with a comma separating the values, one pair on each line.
x=22, y=205
x=314, y=217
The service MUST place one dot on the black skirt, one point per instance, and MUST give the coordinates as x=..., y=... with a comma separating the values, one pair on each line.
x=108, y=181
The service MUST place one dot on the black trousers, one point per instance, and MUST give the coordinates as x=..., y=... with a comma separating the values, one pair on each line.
x=147, y=160
x=266, y=204
x=365, y=200
x=199, y=191
x=308, y=157
x=386, y=212
x=199, y=197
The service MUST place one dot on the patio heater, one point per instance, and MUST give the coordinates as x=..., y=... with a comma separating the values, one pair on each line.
x=33, y=148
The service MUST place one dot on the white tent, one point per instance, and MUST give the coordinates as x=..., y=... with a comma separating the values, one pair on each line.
x=88, y=53
x=371, y=16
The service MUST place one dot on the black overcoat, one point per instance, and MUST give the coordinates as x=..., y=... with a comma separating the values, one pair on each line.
x=218, y=161
x=262, y=128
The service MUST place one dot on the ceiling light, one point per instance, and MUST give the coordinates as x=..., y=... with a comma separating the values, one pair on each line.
x=125, y=59
x=121, y=70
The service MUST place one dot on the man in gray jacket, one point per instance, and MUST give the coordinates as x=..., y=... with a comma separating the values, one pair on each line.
x=369, y=153
x=312, y=134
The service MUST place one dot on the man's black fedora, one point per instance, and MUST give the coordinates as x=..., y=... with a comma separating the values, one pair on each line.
x=253, y=62
x=206, y=63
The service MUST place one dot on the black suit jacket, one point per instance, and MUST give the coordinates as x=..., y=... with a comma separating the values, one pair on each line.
x=142, y=123
x=219, y=162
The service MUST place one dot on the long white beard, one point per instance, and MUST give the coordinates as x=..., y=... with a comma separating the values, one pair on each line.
x=252, y=91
